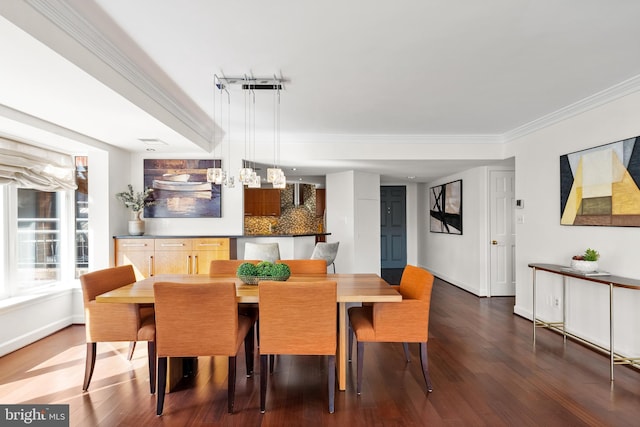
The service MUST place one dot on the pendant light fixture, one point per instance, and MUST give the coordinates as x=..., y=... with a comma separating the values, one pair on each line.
x=250, y=84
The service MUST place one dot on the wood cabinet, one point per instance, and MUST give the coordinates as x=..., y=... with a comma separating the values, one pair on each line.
x=190, y=255
x=262, y=202
x=321, y=197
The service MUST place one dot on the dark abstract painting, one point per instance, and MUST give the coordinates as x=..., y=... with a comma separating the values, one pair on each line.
x=445, y=208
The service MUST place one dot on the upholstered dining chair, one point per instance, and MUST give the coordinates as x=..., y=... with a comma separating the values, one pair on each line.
x=305, y=266
x=200, y=320
x=293, y=323
x=227, y=267
x=327, y=252
x=110, y=322
x=406, y=321
x=262, y=251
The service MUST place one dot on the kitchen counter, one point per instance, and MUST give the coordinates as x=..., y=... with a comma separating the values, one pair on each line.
x=149, y=236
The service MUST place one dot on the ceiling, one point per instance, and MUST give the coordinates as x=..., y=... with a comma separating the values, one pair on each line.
x=403, y=75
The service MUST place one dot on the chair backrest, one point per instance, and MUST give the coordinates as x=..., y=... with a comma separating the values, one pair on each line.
x=416, y=283
x=262, y=251
x=196, y=319
x=227, y=267
x=298, y=317
x=325, y=251
x=305, y=266
x=108, y=279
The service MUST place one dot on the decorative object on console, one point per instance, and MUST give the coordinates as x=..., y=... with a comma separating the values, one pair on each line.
x=136, y=202
x=182, y=188
x=445, y=208
x=251, y=274
x=599, y=185
x=586, y=263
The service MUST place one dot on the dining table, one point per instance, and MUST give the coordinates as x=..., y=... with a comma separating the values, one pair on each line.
x=351, y=289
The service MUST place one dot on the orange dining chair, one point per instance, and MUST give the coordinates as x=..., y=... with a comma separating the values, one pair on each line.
x=305, y=266
x=227, y=267
x=292, y=322
x=406, y=321
x=109, y=322
x=200, y=320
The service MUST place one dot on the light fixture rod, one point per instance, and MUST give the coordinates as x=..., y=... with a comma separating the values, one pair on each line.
x=251, y=83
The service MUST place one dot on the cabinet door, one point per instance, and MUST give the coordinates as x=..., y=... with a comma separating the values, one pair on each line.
x=321, y=195
x=205, y=250
x=136, y=252
x=271, y=202
x=172, y=256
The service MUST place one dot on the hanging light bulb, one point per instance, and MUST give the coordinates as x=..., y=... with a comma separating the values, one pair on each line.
x=245, y=171
x=275, y=175
x=214, y=174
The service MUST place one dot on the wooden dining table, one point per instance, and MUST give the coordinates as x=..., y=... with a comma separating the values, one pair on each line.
x=351, y=288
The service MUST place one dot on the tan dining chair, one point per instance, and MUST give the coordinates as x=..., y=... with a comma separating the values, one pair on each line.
x=305, y=266
x=111, y=322
x=227, y=267
x=200, y=320
x=406, y=321
x=294, y=323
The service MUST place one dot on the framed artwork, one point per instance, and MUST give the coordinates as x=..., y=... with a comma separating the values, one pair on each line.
x=599, y=186
x=445, y=208
x=181, y=189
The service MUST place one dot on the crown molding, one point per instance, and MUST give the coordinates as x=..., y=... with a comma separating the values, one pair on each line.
x=65, y=17
x=612, y=93
x=390, y=139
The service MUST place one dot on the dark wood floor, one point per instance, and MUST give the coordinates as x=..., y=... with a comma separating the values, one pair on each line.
x=484, y=369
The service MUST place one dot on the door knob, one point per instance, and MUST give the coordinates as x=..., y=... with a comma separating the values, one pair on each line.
x=494, y=242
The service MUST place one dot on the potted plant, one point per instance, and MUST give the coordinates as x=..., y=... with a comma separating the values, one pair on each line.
x=136, y=202
x=251, y=274
x=586, y=262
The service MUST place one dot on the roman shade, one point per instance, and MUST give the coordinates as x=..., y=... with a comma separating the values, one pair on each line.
x=28, y=166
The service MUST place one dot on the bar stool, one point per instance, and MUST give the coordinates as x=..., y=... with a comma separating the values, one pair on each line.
x=262, y=251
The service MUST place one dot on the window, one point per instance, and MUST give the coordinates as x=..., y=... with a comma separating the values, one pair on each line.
x=82, y=216
x=44, y=234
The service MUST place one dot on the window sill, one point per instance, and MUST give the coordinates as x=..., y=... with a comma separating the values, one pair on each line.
x=18, y=301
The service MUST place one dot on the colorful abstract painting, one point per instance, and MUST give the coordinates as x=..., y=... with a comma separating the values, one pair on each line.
x=181, y=189
x=445, y=208
x=599, y=186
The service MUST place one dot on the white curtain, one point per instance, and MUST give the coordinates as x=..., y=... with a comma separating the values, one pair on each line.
x=29, y=166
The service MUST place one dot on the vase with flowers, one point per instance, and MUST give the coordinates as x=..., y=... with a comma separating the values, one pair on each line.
x=136, y=201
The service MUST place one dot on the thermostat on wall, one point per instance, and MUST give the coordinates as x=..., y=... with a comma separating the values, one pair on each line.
x=519, y=204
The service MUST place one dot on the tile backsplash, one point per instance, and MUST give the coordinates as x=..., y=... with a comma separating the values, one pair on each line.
x=293, y=219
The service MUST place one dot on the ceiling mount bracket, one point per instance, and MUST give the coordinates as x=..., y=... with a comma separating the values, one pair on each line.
x=251, y=83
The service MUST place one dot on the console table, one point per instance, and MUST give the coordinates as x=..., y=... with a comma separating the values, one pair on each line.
x=611, y=281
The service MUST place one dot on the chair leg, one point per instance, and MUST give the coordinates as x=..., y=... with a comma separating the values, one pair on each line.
x=249, y=349
x=334, y=267
x=231, y=384
x=360, y=361
x=151, y=349
x=263, y=382
x=132, y=347
x=90, y=363
x=407, y=355
x=162, y=383
x=272, y=362
x=332, y=383
x=350, y=341
x=425, y=366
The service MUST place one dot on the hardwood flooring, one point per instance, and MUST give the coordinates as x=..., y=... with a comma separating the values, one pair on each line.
x=484, y=369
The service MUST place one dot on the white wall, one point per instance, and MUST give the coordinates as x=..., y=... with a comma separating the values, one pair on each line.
x=541, y=239
x=460, y=259
x=353, y=219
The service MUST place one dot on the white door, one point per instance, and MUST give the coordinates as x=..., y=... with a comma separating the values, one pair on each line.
x=502, y=233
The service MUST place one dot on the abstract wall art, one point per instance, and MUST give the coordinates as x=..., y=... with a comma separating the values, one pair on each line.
x=599, y=186
x=445, y=208
x=181, y=189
